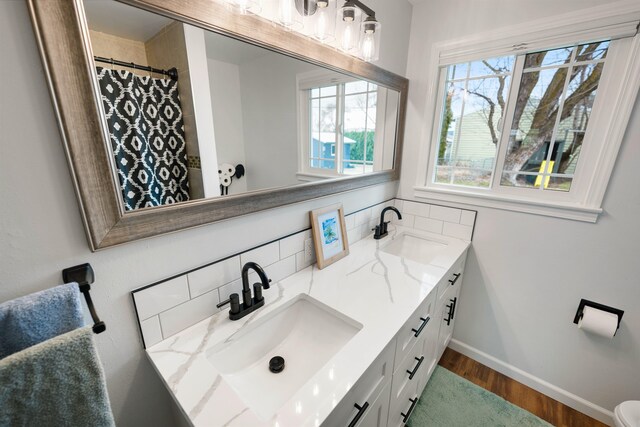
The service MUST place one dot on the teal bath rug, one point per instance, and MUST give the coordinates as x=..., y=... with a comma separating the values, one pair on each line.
x=451, y=401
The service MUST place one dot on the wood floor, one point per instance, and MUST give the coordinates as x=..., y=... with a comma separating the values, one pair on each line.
x=519, y=394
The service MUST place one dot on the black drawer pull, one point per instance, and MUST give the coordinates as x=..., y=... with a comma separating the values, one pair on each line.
x=361, y=411
x=424, y=323
x=448, y=318
x=412, y=373
x=452, y=310
x=454, y=301
x=405, y=417
x=453, y=282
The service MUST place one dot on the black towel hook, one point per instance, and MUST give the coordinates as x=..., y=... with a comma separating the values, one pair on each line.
x=84, y=276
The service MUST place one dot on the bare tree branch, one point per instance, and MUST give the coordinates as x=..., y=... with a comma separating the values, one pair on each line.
x=492, y=108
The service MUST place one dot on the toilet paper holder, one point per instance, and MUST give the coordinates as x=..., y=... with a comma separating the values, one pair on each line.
x=586, y=303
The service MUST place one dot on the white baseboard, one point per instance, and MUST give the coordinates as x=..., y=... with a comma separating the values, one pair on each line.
x=548, y=389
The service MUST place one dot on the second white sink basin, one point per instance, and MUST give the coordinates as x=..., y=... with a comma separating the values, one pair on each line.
x=415, y=248
x=304, y=331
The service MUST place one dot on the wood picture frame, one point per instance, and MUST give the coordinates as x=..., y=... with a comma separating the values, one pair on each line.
x=329, y=234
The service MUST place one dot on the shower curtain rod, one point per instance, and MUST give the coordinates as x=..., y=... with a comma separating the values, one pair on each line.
x=171, y=72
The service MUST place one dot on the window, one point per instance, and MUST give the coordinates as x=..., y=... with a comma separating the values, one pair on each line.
x=542, y=120
x=339, y=128
x=529, y=128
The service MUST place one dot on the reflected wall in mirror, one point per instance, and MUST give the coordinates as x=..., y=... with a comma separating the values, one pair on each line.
x=145, y=157
x=194, y=114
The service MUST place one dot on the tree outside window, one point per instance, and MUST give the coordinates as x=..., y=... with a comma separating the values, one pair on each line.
x=547, y=118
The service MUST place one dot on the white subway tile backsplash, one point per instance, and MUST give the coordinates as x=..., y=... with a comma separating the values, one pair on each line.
x=350, y=221
x=457, y=230
x=354, y=235
x=230, y=288
x=151, y=331
x=214, y=276
x=363, y=216
x=301, y=263
x=189, y=313
x=281, y=269
x=445, y=214
x=162, y=297
x=264, y=255
x=417, y=209
x=293, y=244
x=169, y=307
x=428, y=224
x=406, y=221
x=468, y=218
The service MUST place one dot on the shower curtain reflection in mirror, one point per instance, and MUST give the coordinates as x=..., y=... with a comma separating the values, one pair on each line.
x=146, y=130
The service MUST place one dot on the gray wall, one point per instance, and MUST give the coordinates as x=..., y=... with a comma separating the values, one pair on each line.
x=269, y=106
x=41, y=229
x=526, y=274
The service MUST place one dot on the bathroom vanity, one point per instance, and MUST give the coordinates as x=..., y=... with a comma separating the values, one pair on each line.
x=359, y=341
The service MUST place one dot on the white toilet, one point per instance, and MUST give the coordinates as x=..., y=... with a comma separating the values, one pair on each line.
x=627, y=414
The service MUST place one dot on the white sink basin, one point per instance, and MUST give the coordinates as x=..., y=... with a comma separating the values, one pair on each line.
x=415, y=248
x=304, y=331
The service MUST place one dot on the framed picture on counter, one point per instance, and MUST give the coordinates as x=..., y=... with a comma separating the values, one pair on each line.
x=329, y=234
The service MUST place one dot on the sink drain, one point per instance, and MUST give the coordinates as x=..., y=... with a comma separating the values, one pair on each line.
x=276, y=364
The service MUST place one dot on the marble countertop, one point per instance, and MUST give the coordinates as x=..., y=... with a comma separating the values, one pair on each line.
x=374, y=288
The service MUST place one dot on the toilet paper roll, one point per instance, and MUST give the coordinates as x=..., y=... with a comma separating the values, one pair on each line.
x=598, y=322
x=225, y=181
x=226, y=169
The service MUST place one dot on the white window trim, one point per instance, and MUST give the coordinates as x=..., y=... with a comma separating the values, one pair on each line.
x=617, y=21
x=319, y=78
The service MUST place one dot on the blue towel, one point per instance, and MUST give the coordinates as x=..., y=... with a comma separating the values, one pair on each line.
x=38, y=317
x=59, y=382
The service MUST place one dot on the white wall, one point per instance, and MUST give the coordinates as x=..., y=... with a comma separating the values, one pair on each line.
x=526, y=274
x=41, y=229
x=200, y=96
x=226, y=103
x=269, y=106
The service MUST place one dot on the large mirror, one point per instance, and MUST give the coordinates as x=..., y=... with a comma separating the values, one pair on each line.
x=194, y=123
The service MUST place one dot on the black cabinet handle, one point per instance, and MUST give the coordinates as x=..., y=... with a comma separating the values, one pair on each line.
x=405, y=417
x=412, y=373
x=455, y=279
x=448, y=318
x=452, y=310
x=424, y=323
x=361, y=411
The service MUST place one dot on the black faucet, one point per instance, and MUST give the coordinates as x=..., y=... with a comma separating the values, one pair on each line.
x=249, y=303
x=381, y=229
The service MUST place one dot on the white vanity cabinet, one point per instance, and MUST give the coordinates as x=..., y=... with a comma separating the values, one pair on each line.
x=417, y=357
x=448, y=301
x=367, y=403
x=411, y=359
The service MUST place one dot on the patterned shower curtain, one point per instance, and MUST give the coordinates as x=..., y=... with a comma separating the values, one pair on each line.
x=147, y=137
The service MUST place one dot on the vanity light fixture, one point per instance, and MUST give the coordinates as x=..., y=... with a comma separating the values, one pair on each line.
x=358, y=31
x=244, y=7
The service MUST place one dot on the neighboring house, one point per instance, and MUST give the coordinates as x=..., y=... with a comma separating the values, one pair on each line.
x=323, y=150
x=475, y=149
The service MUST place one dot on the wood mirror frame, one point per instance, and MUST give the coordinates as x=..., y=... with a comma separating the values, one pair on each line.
x=63, y=39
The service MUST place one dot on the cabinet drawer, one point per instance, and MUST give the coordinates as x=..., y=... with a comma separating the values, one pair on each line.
x=408, y=372
x=378, y=413
x=365, y=391
x=413, y=329
x=452, y=279
x=400, y=408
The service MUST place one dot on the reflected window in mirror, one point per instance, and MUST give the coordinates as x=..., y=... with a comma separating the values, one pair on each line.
x=342, y=126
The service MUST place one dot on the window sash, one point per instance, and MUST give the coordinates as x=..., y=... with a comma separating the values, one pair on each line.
x=305, y=117
x=580, y=183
